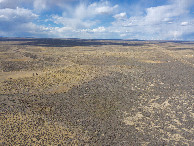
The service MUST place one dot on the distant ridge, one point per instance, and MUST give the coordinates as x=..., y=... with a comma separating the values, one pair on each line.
x=35, y=38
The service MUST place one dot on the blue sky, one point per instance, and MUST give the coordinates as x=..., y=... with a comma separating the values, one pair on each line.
x=98, y=19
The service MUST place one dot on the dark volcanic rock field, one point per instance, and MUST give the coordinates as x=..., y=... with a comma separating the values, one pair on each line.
x=96, y=92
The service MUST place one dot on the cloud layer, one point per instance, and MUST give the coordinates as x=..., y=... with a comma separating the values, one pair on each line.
x=97, y=19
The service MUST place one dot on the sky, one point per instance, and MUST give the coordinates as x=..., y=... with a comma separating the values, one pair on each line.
x=98, y=19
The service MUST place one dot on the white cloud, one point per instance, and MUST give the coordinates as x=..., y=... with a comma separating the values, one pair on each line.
x=15, y=21
x=39, y=5
x=120, y=16
x=14, y=18
x=18, y=14
x=160, y=22
x=105, y=9
x=184, y=23
x=81, y=16
x=123, y=35
x=72, y=22
x=164, y=13
x=101, y=8
x=175, y=34
x=99, y=29
x=89, y=19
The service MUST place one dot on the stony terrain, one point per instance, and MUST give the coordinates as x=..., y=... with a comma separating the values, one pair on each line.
x=96, y=92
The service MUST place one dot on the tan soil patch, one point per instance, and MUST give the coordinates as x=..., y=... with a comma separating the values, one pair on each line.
x=152, y=61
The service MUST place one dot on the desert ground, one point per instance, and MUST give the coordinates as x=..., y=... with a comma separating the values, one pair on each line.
x=96, y=92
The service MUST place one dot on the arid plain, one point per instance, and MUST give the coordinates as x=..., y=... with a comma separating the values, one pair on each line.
x=96, y=92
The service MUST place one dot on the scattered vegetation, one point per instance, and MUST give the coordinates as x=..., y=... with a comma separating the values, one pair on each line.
x=95, y=92
x=20, y=129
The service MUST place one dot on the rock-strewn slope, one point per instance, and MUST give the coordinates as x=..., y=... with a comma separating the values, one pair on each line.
x=96, y=92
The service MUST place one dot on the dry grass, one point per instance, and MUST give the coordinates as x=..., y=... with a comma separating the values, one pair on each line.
x=19, y=129
x=152, y=61
x=19, y=59
x=50, y=82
